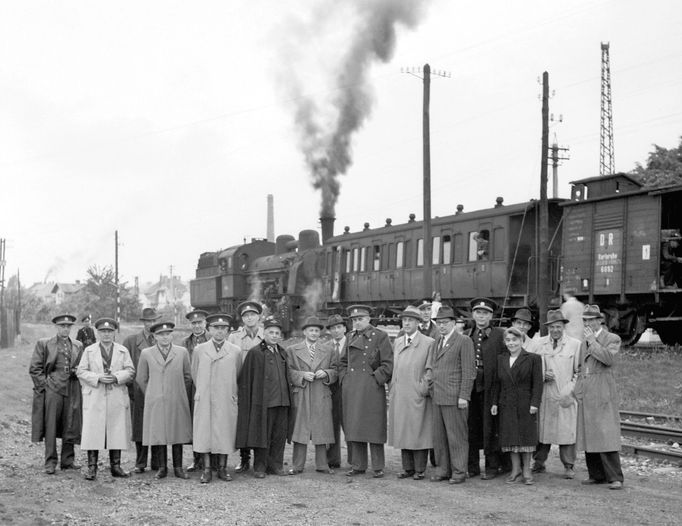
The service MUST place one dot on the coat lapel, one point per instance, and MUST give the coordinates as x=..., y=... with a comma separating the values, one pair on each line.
x=303, y=354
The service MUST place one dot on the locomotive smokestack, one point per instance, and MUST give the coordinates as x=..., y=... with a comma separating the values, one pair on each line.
x=271, y=219
x=327, y=223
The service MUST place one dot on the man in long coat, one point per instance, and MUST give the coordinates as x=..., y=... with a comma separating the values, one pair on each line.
x=135, y=343
x=488, y=343
x=365, y=368
x=598, y=433
x=57, y=394
x=248, y=336
x=337, y=327
x=215, y=368
x=451, y=368
x=265, y=419
x=165, y=377
x=312, y=368
x=199, y=335
x=559, y=410
x=410, y=415
x=104, y=370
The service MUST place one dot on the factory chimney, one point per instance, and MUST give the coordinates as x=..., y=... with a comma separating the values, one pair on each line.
x=327, y=223
x=271, y=219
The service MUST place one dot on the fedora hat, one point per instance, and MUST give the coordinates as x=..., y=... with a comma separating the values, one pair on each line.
x=335, y=319
x=312, y=321
x=149, y=314
x=445, y=312
x=592, y=312
x=555, y=315
x=523, y=314
x=411, y=312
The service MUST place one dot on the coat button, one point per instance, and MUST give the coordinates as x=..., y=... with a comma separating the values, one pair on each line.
x=352, y=369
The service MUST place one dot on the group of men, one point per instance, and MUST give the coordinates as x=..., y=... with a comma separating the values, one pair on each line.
x=223, y=391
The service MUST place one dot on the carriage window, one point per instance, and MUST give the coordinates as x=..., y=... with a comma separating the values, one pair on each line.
x=356, y=259
x=376, y=260
x=229, y=263
x=390, y=257
x=435, y=251
x=458, y=252
x=420, y=252
x=363, y=259
x=447, y=245
x=400, y=254
x=346, y=256
x=478, y=245
x=498, y=244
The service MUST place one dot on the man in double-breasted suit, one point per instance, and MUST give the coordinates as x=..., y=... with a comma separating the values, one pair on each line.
x=451, y=370
x=57, y=394
x=312, y=369
x=135, y=343
x=365, y=368
x=488, y=343
x=598, y=432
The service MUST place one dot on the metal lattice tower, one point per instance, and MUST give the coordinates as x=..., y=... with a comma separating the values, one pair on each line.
x=606, y=157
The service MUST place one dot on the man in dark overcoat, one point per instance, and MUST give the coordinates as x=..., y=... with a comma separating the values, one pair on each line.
x=199, y=335
x=265, y=420
x=488, y=343
x=86, y=334
x=366, y=367
x=57, y=394
x=135, y=343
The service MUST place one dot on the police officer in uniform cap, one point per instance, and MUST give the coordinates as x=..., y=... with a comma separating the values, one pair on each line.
x=197, y=320
x=86, y=334
x=488, y=343
x=57, y=394
x=246, y=337
x=366, y=364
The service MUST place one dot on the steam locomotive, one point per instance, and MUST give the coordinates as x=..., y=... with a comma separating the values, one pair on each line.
x=604, y=246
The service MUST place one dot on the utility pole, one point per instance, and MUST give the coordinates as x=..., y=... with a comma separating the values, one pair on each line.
x=428, y=240
x=542, y=259
x=118, y=292
x=4, y=333
x=555, y=149
x=18, y=308
x=606, y=151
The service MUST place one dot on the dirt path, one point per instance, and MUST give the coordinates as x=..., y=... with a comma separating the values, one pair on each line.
x=653, y=493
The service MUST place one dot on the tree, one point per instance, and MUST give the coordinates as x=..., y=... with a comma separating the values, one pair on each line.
x=99, y=296
x=663, y=167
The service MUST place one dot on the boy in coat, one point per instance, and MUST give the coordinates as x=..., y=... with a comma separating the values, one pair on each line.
x=104, y=370
x=165, y=377
x=598, y=417
x=312, y=368
x=263, y=422
x=215, y=367
x=56, y=394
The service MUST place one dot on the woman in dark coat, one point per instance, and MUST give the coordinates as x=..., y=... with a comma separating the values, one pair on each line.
x=517, y=391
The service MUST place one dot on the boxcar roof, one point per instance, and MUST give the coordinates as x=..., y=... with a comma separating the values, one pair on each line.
x=642, y=191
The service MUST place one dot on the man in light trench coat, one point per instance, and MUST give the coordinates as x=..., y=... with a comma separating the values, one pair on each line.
x=104, y=370
x=215, y=368
x=312, y=369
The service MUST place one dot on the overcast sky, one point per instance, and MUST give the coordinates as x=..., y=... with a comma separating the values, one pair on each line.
x=171, y=121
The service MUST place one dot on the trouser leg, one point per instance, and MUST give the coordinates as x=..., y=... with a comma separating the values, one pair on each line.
x=92, y=464
x=68, y=455
x=245, y=455
x=541, y=454
x=420, y=457
x=321, y=457
x=359, y=454
x=141, y=453
x=595, y=469
x=177, y=455
x=278, y=437
x=377, y=455
x=298, y=456
x=610, y=462
x=475, y=431
x=260, y=459
x=440, y=443
x=567, y=455
x=455, y=422
x=54, y=404
x=407, y=459
x=334, y=450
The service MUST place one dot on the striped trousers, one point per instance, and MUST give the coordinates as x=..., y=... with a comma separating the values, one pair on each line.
x=450, y=440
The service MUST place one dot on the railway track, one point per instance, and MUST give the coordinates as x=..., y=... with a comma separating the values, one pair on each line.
x=665, y=436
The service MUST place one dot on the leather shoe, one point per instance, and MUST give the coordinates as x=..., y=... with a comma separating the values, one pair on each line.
x=528, y=481
x=328, y=471
x=488, y=475
x=206, y=476
x=294, y=471
x=259, y=475
x=70, y=466
x=138, y=469
x=538, y=468
x=243, y=467
x=334, y=465
x=569, y=473
x=224, y=475
x=590, y=481
x=616, y=484
x=512, y=478
x=405, y=474
x=50, y=470
x=117, y=472
x=457, y=480
x=180, y=473
x=192, y=468
x=418, y=476
x=437, y=478
x=378, y=474
x=355, y=472
x=161, y=474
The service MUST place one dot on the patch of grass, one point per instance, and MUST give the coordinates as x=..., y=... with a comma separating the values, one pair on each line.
x=650, y=380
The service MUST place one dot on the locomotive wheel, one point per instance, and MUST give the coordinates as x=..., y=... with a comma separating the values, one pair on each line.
x=669, y=333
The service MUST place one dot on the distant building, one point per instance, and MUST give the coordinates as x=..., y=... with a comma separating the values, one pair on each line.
x=165, y=292
x=55, y=292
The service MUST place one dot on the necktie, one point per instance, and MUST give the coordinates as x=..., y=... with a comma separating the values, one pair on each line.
x=312, y=351
x=409, y=340
x=554, y=344
x=336, y=348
